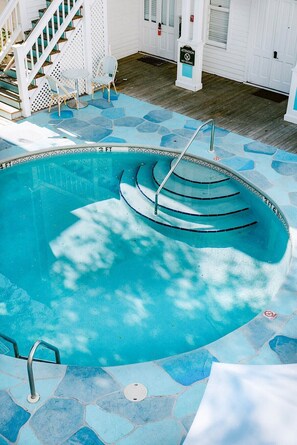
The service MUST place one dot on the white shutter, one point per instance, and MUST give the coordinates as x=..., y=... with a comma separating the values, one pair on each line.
x=218, y=22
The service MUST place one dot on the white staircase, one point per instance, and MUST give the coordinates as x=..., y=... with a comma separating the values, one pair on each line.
x=27, y=55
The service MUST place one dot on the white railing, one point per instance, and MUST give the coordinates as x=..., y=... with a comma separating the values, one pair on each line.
x=32, y=54
x=10, y=27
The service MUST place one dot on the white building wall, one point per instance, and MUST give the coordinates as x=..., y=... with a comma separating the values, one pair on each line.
x=123, y=26
x=231, y=62
x=30, y=9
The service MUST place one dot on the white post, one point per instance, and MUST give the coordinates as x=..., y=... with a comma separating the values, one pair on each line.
x=291, y=114
x=87, y=30
x=23, y=17
x=22, y=79
x=190, y=50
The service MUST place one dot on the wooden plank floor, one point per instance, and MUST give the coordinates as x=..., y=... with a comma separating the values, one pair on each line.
x=232, y=104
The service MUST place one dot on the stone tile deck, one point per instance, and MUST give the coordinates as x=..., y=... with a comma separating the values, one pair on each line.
x=86, y=405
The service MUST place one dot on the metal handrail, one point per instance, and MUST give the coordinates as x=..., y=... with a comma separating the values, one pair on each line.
x=34, y=397
x=209, y=121
x=14, y=343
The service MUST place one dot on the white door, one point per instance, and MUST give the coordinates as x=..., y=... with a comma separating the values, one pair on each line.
x=159, y=28
x=274, y=43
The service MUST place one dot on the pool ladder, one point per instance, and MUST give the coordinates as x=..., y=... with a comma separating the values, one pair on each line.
x=211, y=148
x=33, y=397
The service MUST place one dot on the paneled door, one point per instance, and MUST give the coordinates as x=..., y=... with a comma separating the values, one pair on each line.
x=273, y=44
x=159, y=28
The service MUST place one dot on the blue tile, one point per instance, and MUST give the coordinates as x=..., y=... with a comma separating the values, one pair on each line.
x=163, y=130
x=219, y=132
x=12, y=417
x=109, y=426
x=189, y=368
x=102, y=121
x=56, y=420
x=152, y=376
x=258, y=179
x=4, y=144
x=188, y=403
x=94, y=133
x=113, y=95
x=101, y=103
x=173, y=141
x=128, y=121
x=114, y=113
x=114, y=139
x=166, y=432
x=192, y=124
x=150, y=409
x=184, y=132
x=284, y=168
x=148, y=127
x=222, y=153
x=85, y=436
x=258, y=147
x=259, y=331
x=293, y=198
x=239, y=164
x=65, y=114
x=285, y=348
x=86, y=384
x=291, y=214
x=73, y=125
x=158, y=116
x=285, y=156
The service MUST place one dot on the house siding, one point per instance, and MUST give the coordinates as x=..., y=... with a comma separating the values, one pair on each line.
x=31, y=11
x=123, y=20
x=231, y=62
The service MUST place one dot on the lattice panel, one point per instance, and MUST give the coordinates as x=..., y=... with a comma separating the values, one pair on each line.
x=42, y=99
x=72, y=55
x=98, y=32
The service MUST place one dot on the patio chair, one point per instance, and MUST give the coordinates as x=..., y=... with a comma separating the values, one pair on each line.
x=60, y=93
x=105, y=75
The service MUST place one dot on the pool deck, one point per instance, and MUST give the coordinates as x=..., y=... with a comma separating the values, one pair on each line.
x=81, y=405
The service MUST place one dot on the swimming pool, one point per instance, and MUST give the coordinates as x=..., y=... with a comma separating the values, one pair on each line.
x=84, y=271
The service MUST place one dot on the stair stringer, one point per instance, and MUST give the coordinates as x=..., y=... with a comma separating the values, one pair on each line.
x=72, y=56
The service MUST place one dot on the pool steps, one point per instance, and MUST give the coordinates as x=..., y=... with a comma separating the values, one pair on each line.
x=207, y=207
x=185, y=205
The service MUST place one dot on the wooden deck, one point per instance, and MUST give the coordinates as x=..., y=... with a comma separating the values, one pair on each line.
x=233, y=105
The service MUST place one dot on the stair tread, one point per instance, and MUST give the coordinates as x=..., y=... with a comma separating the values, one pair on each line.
x=11, y=94
x=203, y=191
x=132, y=197
x=183, y=204
x=197, y=173
x=8, y=108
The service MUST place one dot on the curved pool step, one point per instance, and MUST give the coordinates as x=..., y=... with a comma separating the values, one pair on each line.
x=134, y=199
x=185, y=205
x=197, y=173
x=205, y=191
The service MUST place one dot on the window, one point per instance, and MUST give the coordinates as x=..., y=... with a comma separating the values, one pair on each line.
x=150, y=10
x=218, y=22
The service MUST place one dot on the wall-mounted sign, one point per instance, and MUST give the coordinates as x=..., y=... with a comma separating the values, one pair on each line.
x=187, y=55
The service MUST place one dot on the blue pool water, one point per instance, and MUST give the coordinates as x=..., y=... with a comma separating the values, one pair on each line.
x=80, y=269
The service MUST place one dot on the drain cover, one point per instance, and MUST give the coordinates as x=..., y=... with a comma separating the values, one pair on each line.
x=135, y=392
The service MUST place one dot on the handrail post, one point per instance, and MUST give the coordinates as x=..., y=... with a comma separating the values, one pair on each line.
x=212, y=134
x=19, y=55
x=34, y=397
x=211, y=148
x=14, y=344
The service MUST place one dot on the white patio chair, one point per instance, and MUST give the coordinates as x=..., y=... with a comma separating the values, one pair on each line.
x=105, y=75
x=60, y=93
